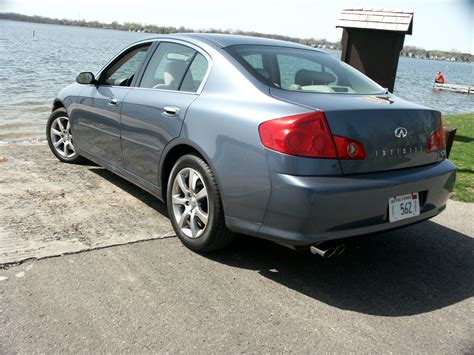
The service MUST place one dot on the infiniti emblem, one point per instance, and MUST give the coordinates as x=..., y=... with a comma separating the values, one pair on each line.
x=401, y=132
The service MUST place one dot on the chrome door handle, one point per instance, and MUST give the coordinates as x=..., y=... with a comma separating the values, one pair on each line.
x=170, y=111
x=113, y=101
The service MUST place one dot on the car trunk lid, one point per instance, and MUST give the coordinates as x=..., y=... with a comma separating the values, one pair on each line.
x=394, y=132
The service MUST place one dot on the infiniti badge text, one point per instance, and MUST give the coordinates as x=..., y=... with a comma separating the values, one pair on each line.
x=397, y=152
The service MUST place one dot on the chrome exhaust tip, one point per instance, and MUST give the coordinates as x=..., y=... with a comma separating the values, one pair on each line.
x=327, y=252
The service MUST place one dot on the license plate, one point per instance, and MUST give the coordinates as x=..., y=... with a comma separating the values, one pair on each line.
x=403, y=207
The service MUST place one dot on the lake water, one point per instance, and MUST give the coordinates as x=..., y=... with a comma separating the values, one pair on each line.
x=34, y=68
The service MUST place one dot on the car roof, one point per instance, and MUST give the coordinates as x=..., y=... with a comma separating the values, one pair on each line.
x=226, y=40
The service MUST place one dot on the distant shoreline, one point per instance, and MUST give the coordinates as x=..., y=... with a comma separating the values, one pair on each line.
x=152, y=29
x=407, y=51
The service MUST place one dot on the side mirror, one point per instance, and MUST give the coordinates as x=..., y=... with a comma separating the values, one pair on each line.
x=85, y=78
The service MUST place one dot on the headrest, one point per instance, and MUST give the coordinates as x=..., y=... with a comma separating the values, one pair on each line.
x=306, y=77
x=173, y=71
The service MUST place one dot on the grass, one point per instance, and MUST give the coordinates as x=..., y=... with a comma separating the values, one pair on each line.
x=462, y=154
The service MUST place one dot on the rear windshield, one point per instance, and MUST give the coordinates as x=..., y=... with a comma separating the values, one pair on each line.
x=302, y=70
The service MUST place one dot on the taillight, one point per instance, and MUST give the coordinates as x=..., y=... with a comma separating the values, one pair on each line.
x=436, y=140
x=349, y=148
x=308, y=135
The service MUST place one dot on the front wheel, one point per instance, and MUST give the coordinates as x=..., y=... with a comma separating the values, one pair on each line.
x=59, y=135
x=195, y=207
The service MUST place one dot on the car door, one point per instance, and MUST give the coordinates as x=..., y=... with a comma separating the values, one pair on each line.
x=153, y=113
x=97, y=118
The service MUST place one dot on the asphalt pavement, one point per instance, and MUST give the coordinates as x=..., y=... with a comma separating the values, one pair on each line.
x=404, y=291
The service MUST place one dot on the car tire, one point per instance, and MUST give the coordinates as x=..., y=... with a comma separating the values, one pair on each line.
x=59, y=135
x=195, y=206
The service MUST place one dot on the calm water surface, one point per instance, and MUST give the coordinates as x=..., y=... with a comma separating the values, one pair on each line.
x=34, y=68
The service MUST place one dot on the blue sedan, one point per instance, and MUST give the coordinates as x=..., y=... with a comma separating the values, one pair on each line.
x=263, y=137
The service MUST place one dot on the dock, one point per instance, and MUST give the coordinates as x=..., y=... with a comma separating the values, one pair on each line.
x=463, y=89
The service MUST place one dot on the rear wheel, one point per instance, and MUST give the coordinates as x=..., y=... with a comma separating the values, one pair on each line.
x=195, y=207
x=59, y=135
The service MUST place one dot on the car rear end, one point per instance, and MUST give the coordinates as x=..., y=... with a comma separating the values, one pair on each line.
x=306, y=209
x=356, y=160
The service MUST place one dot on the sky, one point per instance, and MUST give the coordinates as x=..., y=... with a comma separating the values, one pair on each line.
x=438, y=24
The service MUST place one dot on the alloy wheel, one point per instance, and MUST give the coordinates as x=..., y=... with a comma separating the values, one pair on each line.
x=190, y=202
x=61, y=137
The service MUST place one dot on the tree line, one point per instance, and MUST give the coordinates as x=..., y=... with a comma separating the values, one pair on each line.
x=138, y=27
x=408, y=51
x=453, y=55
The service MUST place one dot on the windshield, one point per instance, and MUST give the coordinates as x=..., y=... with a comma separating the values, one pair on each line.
x=302, y=70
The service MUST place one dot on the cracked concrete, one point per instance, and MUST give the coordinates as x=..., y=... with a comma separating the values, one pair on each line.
x=48, y=208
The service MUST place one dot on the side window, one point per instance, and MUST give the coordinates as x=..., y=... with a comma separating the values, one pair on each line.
x=123, y=71
x=167, y=67
x=195, y=74
x=256, y=62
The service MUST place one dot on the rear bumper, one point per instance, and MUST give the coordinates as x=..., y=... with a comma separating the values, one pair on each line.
x=304, y=210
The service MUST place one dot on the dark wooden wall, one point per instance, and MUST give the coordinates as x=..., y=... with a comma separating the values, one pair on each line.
x=375, y=53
